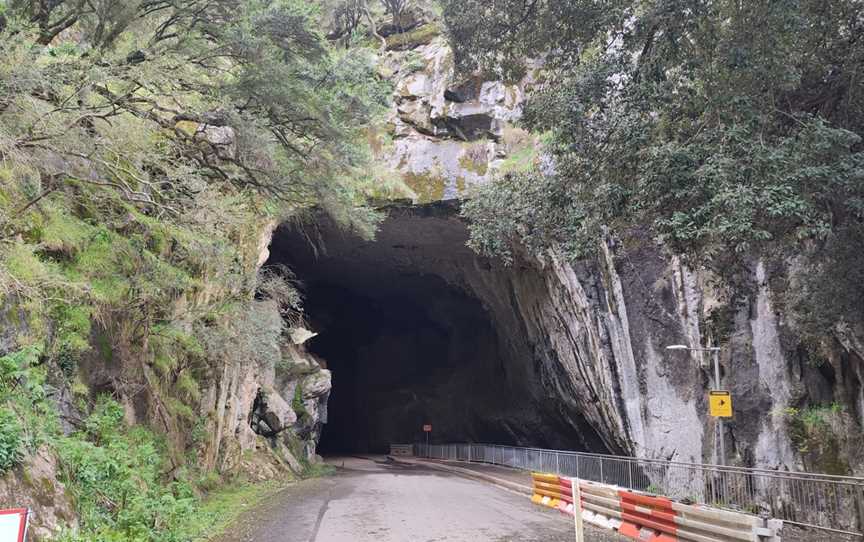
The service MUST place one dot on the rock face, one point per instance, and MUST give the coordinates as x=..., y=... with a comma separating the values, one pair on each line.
x=447, y=135
x=587, y=341
x=34, y=485
x=262, y=400
x=253, y=403
x=554, y=354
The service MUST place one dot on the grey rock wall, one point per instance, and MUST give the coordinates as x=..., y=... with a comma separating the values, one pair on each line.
x=252, y=401
x=581, y=355
x=445, y=134
x=595, y=332
x=34, y=484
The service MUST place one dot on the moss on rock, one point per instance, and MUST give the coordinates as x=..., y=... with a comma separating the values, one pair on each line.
x=427, y=187
x=415, y=38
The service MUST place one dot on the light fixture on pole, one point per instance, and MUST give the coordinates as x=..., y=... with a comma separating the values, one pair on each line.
x=716, y=351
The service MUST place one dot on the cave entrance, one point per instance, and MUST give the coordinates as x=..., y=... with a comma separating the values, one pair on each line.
x=400, y=357
x=402, y=327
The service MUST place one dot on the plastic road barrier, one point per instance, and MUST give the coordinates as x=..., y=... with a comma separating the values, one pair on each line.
x=402, y=449
x=646, y=517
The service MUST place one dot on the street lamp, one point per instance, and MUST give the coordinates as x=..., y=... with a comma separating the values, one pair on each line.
x=716, y=352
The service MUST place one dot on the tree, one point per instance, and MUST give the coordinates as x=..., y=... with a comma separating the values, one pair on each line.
x=396, y=8
x=275, y=82
x=728, y=129
x=347, y=16
x=141, y=153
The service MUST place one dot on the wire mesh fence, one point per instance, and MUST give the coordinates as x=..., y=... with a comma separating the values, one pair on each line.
x=827, y=502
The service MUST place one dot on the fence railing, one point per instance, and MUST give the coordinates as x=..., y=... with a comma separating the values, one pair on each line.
x=827, y=502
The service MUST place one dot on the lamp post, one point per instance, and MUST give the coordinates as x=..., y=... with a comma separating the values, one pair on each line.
x=716, y=354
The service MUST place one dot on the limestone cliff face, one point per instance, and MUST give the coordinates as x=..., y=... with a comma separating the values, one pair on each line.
x=265, y=393
x=604, y=325
x=445, y=134
x=260, y=412
x=646, y=300
x=572, y=355
x=594, y=332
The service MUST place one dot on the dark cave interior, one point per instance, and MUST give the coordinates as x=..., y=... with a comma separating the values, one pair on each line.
x=407, y=342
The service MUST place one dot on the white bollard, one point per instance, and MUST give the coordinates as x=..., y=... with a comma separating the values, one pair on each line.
x=576, y=491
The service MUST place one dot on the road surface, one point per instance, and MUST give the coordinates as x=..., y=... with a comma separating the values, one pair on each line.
x=378, y=501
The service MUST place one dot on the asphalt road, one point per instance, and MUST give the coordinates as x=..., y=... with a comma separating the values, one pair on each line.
x=368, y=501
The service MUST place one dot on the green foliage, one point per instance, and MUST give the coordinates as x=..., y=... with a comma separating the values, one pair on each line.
x=318, y=470
x=726, y=130
x=413, y=63
x=143, y=149
x=297, y=403
x=22, y=395
x=278, y=284
x=222, y=507
x=817, y=431
x=521, y=161
x=115, y=475
x=14, y=367
x=536, y=211
x=11, y=450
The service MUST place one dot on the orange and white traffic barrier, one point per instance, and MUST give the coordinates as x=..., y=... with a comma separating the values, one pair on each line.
x=648, y=517
x=642, y=512
x=546, y=490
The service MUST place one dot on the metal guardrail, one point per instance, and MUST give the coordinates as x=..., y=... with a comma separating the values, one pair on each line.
x=821, y=501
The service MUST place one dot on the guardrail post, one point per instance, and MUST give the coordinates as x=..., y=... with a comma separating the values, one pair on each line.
x=859, y=505
x=576, y=491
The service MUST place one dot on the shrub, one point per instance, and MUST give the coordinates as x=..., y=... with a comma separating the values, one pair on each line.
x=297, y=403
x=818, y=433
x=115, y=473
x=414, y=62
x=10, y=440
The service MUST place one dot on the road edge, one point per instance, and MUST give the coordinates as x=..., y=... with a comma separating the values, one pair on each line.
x=467, y=473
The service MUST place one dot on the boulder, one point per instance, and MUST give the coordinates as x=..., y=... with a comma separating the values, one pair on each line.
x=223, y=139
x=316, y=384
x=35, y=485
x=272, y=413
x=300, y=335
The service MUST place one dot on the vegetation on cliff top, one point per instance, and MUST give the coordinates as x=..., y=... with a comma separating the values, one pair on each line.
x=729, y=129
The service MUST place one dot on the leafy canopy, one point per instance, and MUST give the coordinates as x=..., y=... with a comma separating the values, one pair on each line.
x=145, y=146
x=725, y=128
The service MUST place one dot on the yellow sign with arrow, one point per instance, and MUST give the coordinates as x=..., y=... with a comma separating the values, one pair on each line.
x=720, y=403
